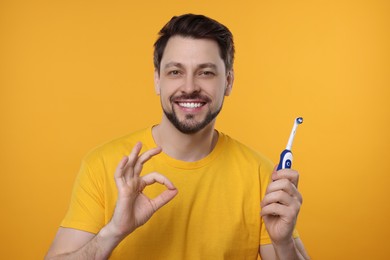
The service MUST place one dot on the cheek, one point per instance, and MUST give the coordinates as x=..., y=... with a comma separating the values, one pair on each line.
x=164, y=97
x=219, y=94
x=220, y=99
x=168, y=88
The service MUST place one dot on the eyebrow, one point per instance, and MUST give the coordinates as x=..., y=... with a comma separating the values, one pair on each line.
x=200, y=66
x=208, y=65
x=173, y=64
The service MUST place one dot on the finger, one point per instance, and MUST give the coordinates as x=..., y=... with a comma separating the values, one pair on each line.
x=162, y=199
x=275, y=169
x=166, y=195
x=284, y=196
x=277, y=209
x=133, y=156
x=288, y=213
x=159, y=178
x=291, y=175
x=128, y=171
x=274, y=209
x=119, y=172
x=282, y=184
x=144, y=157
x=279, y=196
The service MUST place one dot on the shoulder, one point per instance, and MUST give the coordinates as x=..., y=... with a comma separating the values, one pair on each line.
x=115, y=149
x=234, y=146
x=242, y=151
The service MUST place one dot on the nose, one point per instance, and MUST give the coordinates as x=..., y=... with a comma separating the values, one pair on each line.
x=190, y=85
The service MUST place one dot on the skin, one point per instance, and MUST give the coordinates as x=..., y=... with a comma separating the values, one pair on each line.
x=133, y=209
x=188, y=66
x=280, y=208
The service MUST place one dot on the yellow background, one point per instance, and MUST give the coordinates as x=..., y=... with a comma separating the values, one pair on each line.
x=75, y=74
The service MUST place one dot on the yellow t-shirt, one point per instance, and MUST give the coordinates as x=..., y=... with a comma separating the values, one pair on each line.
x=216, y=214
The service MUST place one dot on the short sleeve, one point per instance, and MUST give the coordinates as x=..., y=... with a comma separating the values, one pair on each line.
x=86, y=210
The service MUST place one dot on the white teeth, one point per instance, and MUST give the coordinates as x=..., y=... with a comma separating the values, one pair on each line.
x=190, y=105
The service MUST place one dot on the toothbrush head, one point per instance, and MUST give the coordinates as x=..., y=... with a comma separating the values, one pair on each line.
x=299, y=120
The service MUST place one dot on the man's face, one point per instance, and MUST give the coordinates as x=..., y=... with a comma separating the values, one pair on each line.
x=192, y=83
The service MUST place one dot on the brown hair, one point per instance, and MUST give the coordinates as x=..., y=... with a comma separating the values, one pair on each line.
x=197, y=27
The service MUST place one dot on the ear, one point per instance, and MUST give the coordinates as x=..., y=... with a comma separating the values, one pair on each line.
x=156, y=82
x=229, y=82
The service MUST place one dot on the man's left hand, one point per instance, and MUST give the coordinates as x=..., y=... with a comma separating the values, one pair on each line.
x=281, y=205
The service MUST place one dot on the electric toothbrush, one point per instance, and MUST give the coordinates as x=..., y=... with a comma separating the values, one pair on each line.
x=286, y=156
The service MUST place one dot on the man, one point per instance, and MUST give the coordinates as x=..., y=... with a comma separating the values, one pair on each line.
x=222, y=202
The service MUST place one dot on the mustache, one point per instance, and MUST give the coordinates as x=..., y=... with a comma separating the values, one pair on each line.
x=194, y=95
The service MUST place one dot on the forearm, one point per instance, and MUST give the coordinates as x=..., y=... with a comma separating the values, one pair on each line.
x=99, y=247
x=290, y=251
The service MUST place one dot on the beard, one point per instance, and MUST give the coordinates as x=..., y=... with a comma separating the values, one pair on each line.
x=189, y=125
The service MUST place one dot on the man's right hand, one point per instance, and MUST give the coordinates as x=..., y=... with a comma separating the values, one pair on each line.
x=133, y=208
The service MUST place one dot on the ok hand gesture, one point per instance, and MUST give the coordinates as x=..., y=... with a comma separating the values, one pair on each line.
x=134, y=208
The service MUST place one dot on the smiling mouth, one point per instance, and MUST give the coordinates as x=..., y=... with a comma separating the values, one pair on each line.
x=191, y=104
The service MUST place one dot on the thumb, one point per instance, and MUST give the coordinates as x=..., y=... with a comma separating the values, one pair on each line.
x=273, y=175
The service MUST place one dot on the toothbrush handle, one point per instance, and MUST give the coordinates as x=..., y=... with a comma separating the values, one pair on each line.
x=286, y=158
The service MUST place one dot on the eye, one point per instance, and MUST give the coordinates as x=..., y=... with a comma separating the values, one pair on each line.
x=174, y=73
x=207, y=73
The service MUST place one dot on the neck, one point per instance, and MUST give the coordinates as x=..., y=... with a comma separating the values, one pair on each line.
x=185, y=147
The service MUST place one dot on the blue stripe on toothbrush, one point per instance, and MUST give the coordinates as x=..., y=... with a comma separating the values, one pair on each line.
x=285, y=161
